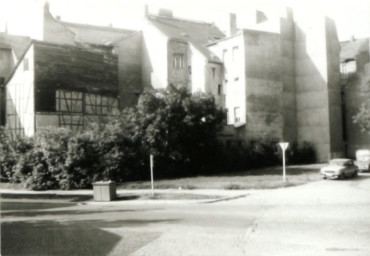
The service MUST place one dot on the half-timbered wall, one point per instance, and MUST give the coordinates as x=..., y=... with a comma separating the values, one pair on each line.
x=76, y=110
x=20, y=111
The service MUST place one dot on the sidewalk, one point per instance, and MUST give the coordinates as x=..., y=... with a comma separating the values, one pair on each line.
x=221, y=195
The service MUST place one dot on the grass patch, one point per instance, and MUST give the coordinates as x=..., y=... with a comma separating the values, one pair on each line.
x=265, y=178
x=166, y=196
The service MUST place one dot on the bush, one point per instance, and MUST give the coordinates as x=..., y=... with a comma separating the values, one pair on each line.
x=12, y=151
x=301, y=154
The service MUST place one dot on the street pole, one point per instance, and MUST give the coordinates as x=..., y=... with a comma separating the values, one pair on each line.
x=284, y=146
x=151, y=174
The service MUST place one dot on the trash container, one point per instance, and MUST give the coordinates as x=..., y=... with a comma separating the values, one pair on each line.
x=104, y=190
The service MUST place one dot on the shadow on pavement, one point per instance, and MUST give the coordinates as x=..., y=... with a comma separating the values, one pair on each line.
x=35, y=209
x=70, y=198
x=85, y=237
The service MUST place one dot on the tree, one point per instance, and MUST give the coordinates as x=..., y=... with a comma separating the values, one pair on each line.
x=178, y=127
x=362, y=118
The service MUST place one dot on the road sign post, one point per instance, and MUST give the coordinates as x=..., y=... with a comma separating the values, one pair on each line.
x=284, y=146
x=151, y=173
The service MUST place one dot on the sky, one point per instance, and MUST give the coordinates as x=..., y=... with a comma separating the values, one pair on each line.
x=24, y=17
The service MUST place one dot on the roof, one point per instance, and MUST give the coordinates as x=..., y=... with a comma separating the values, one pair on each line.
x=96, y=34
x=72, y=65
x=18, y=43
x=349, y=49
x=197, y=33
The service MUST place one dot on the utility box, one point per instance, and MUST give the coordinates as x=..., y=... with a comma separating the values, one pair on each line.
x=104, y=190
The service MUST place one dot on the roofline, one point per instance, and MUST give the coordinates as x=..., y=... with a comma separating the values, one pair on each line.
x=242, y=31
x=123, y=38
x=180, y=19
x=33, y=42
x=96, y=27
x=225, y=38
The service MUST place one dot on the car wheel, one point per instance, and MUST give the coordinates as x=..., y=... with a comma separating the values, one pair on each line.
x=355, y=174
x=324, y=177
x=341, y=176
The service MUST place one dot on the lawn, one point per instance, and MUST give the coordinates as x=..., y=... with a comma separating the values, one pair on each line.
x=264, y=178
x=252, y=179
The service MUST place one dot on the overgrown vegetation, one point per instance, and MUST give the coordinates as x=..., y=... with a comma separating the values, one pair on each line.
x=180, y=129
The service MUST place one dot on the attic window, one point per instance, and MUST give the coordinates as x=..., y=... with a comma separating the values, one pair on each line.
x=26, y=64
x=178, y=60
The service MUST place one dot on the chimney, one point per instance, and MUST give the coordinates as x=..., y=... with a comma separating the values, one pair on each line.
x=165, y=12
x=46, y=7
x=232, y=24
x=260, y=17
x=353, y=38
x=58, y=18
x=289, y=13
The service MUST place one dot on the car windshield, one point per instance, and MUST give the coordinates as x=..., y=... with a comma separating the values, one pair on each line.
x=338, y=162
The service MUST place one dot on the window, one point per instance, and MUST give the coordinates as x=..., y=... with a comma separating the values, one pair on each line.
x=25, y=64
x=213, y=72
x=237, y=116
x=219, y=89
x=178, y=60
x=69, y=101
x=235, y=53
x=189, y=70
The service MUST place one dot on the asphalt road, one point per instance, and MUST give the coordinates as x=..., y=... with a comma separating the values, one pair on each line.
x=329, y=217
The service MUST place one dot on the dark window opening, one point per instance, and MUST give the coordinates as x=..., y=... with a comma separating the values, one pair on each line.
x=219, y=89
x=189, y=70
x=45, y=100
x=213, y=72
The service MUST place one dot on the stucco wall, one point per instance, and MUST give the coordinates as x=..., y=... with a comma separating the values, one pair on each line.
x=129, y=69
x=311, y=86
x=7, y=62
x=20, y=109
x=178, y=76
x=55, y=32
x=288, y=78
x=334, y=90
x=264, y=86
x=197, y=70
x=214, y=82
x=234, y=83
x=154, y=58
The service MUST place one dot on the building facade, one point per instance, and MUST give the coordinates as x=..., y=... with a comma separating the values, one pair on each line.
x=277, y=79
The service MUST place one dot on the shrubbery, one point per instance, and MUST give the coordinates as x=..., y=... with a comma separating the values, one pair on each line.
x=178, y=128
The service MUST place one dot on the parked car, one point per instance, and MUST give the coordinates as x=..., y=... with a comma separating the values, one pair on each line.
x=339, y=168
x=363, y=159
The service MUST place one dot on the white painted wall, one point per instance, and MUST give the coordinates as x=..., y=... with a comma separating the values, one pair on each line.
x=234, y=77
x=198, y=63
x=155, y=66
x=20, y=97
